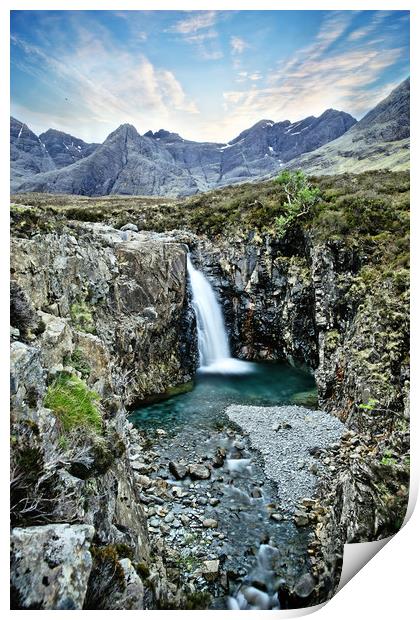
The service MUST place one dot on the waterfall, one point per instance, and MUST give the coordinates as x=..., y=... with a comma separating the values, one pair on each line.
x=213, y=343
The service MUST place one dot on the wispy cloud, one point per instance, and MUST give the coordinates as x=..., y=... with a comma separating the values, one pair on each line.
x=321, y=75
x=198, y=21
x=238, y=45
x=109, y=84
x=361, y=33
x=198, y=30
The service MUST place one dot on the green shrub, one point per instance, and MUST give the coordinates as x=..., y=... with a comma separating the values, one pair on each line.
x=301, y=196
x=79, y=362
x=82, y=318
x=73, y=403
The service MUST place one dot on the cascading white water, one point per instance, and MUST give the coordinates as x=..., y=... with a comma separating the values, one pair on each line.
x=213, y=344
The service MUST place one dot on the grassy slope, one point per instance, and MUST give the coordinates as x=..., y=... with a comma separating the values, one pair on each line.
x=370, y=209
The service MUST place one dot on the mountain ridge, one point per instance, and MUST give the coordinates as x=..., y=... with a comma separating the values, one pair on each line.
x=381, y=139
x=162, y=163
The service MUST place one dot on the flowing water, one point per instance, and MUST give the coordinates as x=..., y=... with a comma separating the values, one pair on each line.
x=213, y=343
x=257, y=552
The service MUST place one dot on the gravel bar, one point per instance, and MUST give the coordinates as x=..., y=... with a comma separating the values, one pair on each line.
x=285, y=437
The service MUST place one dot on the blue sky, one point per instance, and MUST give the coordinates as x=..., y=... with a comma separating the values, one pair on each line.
x=204, y=74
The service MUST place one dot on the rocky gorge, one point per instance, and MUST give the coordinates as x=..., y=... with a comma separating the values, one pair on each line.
x=101, y=302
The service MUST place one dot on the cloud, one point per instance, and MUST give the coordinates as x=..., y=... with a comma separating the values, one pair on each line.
x=198, y=30
x=198, y=21
x=361, y=33
x=238, y=45
x=322, y=75
x=243, y=76
x=107, y=84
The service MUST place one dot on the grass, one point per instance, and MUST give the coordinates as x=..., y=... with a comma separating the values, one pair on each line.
x=73, y=403
x=82, y=317
x=79, y=362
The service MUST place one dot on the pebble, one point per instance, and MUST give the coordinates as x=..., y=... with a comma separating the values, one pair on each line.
x=283, y=452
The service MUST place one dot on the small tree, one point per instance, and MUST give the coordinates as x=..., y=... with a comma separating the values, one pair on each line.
x=300, y=197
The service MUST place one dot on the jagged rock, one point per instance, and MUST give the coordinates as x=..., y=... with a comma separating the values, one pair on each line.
x=165, y=164
x=28, y=155
x=210, y=569
x=219, y=457
x=179, y=470
x=64, y=149
x=198, y=471
x=50, y=566
x=132, y=594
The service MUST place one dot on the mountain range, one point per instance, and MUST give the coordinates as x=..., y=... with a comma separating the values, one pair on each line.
x=380, y=140
x=163, y=163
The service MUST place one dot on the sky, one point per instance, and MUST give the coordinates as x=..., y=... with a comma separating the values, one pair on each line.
x=206, y=75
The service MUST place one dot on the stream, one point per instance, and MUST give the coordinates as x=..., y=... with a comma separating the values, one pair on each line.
x=256, y=546
x=206, y=490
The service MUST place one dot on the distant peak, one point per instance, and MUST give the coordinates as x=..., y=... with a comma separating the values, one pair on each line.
x=124, y=131
x=165, y=134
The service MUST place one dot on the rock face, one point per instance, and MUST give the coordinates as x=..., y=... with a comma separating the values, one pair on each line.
x=379, y=140
x=28, y=155
x=301, y=300
x=64, y=149
x=118, y=297
x=110, y=308
x=50, y=566
x=163, y=163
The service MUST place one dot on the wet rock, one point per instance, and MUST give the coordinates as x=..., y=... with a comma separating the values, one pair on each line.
x=219, y=457
x=199, y=472
x=256, y=492
x=178, y=470
x=214, y=501
x=257, y=598
x=305, y=585
x=276, y=517
x=50, y=566
x=313, y=468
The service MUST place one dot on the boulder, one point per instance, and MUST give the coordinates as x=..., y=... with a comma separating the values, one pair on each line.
x=50, y=566
x=210, y=569
x=179, y=470
x=199, y=472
